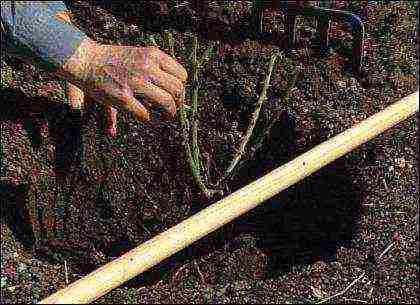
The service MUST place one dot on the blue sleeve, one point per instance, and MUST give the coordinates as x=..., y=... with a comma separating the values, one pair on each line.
x=33, y=31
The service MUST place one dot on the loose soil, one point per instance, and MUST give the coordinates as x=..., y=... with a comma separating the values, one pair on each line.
x=66, y=210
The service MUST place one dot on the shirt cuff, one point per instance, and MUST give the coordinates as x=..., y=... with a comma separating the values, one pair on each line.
x=35, y=31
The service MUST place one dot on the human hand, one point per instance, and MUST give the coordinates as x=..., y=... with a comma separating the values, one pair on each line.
x=114, y=75
x=76, y=100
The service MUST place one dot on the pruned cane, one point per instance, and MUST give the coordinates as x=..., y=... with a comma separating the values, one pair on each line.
x=150, y=253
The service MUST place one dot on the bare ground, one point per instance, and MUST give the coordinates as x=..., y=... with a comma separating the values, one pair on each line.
x=353, y=220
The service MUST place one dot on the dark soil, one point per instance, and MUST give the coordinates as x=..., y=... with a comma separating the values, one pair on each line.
x=66, y=206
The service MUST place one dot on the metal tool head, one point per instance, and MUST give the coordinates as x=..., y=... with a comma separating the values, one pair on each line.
x=325, y=15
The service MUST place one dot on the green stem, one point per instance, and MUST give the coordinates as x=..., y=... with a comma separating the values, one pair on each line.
x=169, y=39
x=197, y=64
x=193, y=153
x=237, y=157
x=285, y=99
x=195, y=169
x=194, y=105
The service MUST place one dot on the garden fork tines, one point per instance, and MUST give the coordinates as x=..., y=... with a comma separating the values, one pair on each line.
x=325, y=15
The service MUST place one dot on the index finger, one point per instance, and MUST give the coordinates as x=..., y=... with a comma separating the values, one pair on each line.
x=171, y=66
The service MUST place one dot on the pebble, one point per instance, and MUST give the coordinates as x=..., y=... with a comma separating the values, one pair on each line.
x=3, y=281
x=400, y=162
x=341, y=84
x=22, y=267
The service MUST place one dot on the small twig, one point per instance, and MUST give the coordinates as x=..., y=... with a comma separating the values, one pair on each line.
x=66, y=272
x=355, y=300
x=385, y=184
x=196, y=65
x=245, y=139
x=197, y=267
x=256, y=144
x=357, y=279
x=185, y=137
x=175, y=276
x=343, y=291
x=386, y=250
x=291, y=84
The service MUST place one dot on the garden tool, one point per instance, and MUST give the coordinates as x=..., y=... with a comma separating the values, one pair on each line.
x=325, y=15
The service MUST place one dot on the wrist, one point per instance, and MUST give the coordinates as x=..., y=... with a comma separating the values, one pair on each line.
x=78, y=66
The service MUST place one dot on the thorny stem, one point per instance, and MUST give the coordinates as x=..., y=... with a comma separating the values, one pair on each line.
x=194, y=105
x=193, y=165
x=197, y=64
x=285, y=98
x=245, y=139
x=193, y=154
x=170, y=41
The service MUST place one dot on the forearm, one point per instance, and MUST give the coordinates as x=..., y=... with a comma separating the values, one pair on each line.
x=39, y=32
